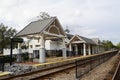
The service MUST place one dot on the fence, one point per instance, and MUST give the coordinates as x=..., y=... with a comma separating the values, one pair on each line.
x=85, y=65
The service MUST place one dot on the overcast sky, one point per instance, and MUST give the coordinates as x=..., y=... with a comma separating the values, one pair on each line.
x=89, y=18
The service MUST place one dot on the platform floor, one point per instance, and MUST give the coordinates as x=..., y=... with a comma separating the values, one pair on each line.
x=50, y=60
x=59, y=60
x=4, y=73
x=53, y=60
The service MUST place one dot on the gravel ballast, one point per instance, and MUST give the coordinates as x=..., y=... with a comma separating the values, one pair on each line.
x=18, y=69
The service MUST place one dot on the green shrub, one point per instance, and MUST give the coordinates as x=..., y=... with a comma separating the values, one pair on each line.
x=8, y=59
x=25, y=56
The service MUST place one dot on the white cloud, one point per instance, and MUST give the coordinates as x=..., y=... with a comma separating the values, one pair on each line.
x=90, y=18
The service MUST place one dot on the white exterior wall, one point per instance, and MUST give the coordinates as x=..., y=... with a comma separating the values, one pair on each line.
x=49, y=45
x=15, y=51
x=55, y=45
x=34, y=43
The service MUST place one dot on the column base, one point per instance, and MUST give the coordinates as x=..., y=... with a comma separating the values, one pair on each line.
x=76, y=52
x=42, y=55
x=84, y=54
x=64, y=53
x=19, y=58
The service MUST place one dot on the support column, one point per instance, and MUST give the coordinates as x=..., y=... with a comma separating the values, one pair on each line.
x=84, y=49
x=96, y=49
x=64, y=49
x=33, y=48
x=99, y=48
x=93, y=49
x=81, y=50
x=42, y=50
x=89, y=50
x=76, y=49
x=19, y=58
x=70, y=49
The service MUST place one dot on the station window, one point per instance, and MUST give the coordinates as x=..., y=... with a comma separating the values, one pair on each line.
x=37, y=45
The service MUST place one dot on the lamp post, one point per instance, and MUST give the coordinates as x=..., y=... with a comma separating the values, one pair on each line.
x=11, y=47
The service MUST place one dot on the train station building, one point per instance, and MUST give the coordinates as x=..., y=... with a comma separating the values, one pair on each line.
x=43, y=31
x=45, y=37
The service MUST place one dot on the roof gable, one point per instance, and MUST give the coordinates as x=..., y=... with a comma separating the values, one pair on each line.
x=76, y=38
x=82, y=39
x=55, y=27
x=36, y=27
x=87, y=40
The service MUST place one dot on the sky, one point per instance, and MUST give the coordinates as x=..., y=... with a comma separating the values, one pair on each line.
x=89, y=18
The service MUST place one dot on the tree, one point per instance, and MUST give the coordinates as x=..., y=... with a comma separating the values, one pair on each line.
x=107, y=44
x=43, y=15
x=5, y=35
x=67, y=30
x=118, y=45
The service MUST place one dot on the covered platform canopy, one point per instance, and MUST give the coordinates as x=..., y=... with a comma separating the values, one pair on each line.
x=82, y=45
x=46, y=29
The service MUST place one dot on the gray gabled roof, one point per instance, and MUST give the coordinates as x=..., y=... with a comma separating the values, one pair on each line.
x=97, y=41
x=69, y=36
x=87, y=40
x=36, y=27
x=84, y=39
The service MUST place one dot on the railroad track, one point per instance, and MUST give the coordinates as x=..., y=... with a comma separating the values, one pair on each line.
x=53, y=71
x=117, y=73
x=39, y=73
